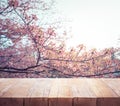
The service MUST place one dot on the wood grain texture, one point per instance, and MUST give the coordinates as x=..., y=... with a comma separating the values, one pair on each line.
x=36, y=102
x=84, y=102
x=81, y=88
x=59, y=92
x=11, y=102
x=108, y=102
x=100, y=88
x=60, y=102
x=19, y=89
x=113, y=84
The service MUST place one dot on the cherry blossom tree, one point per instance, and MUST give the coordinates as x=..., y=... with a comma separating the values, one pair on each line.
x=27, y=49
x=23, y=40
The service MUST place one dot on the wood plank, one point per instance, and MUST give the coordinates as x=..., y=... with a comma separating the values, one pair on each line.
x=74, y=89
x=54, y=89
x=85, y=102
x=60, y=102
x=54, y=93
x=5, y=84
x=20, y=89
x=114, y=84
x=60, y=93
x=80, y=88
x=64, y=88
x=38, y=94
x=82, y=93
x=64, y=93
x=108, y=101
x=36, y=102
x=41, y=88
x=11, y=102
x=100, y=88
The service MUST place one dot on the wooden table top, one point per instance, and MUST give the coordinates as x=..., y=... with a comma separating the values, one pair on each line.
x=60, y=88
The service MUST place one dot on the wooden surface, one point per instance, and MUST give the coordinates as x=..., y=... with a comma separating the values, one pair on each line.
x=59, y=92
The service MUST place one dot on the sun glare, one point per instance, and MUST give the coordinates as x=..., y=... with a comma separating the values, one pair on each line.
x=90, y=36
x=95, y=24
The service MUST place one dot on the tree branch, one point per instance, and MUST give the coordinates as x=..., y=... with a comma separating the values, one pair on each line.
x=77, y=61
x=19, y=69
x=1, y=12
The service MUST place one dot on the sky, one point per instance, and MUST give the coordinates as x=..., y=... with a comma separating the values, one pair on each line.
x=95, y=23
